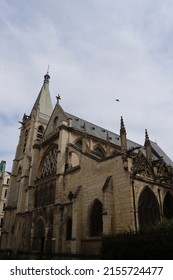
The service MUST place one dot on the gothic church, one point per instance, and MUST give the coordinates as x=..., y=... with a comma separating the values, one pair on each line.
x=73, y=181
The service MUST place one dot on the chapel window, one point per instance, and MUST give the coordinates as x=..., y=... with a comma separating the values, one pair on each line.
x=78, y=143
x=44, y=195
x=99, y=151
x=95, y=219
x=49, y=164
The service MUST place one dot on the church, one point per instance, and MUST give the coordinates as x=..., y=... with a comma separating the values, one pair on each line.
x=73, y=181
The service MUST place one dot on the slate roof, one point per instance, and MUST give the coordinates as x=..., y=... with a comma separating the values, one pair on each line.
x=158, y=152
x=101, y=133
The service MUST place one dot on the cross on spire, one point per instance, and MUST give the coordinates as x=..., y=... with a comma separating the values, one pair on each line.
x=58, y=98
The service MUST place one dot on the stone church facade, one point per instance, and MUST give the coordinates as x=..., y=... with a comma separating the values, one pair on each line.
x=73, y=181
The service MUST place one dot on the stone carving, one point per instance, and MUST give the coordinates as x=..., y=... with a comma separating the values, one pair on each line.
x=49, y=164
x=141, y=166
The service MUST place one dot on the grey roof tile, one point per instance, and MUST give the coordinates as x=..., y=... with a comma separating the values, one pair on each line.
x=101, y=133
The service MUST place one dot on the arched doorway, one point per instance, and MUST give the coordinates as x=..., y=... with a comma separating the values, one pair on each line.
x=148, y=208
x=95, y=219
x=39, y=236
x=168, y=206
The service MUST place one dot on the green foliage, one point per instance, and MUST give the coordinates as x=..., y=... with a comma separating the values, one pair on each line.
x=152, y=242
x=160, y=226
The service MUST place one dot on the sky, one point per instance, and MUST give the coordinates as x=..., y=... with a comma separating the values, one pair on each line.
x=97, y=51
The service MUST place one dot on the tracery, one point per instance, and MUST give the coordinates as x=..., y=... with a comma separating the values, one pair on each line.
x=49, y=164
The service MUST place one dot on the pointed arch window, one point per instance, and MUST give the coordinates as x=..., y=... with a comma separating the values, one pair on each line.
x=49, y=163
x=44, y=195
x=99, y=151
x=78, y=143
x=95, y=219
x=168, y=206
x=148, y=208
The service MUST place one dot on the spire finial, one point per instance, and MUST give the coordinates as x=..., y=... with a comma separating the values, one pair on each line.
x=122, y=122
x=146, y=135
x=123, y=137
x=148, y=147
x=122, y=126
x=47, y=77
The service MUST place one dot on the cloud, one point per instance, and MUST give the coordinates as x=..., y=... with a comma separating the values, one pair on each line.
x=97, y=51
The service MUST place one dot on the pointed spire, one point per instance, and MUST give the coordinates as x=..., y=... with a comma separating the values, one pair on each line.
x=43, y=103
x=146, y=136
x=123, y=136
x=122, y=126
x=147, y=145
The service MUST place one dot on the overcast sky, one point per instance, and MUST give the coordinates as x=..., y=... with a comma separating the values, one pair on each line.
x=98, y=51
